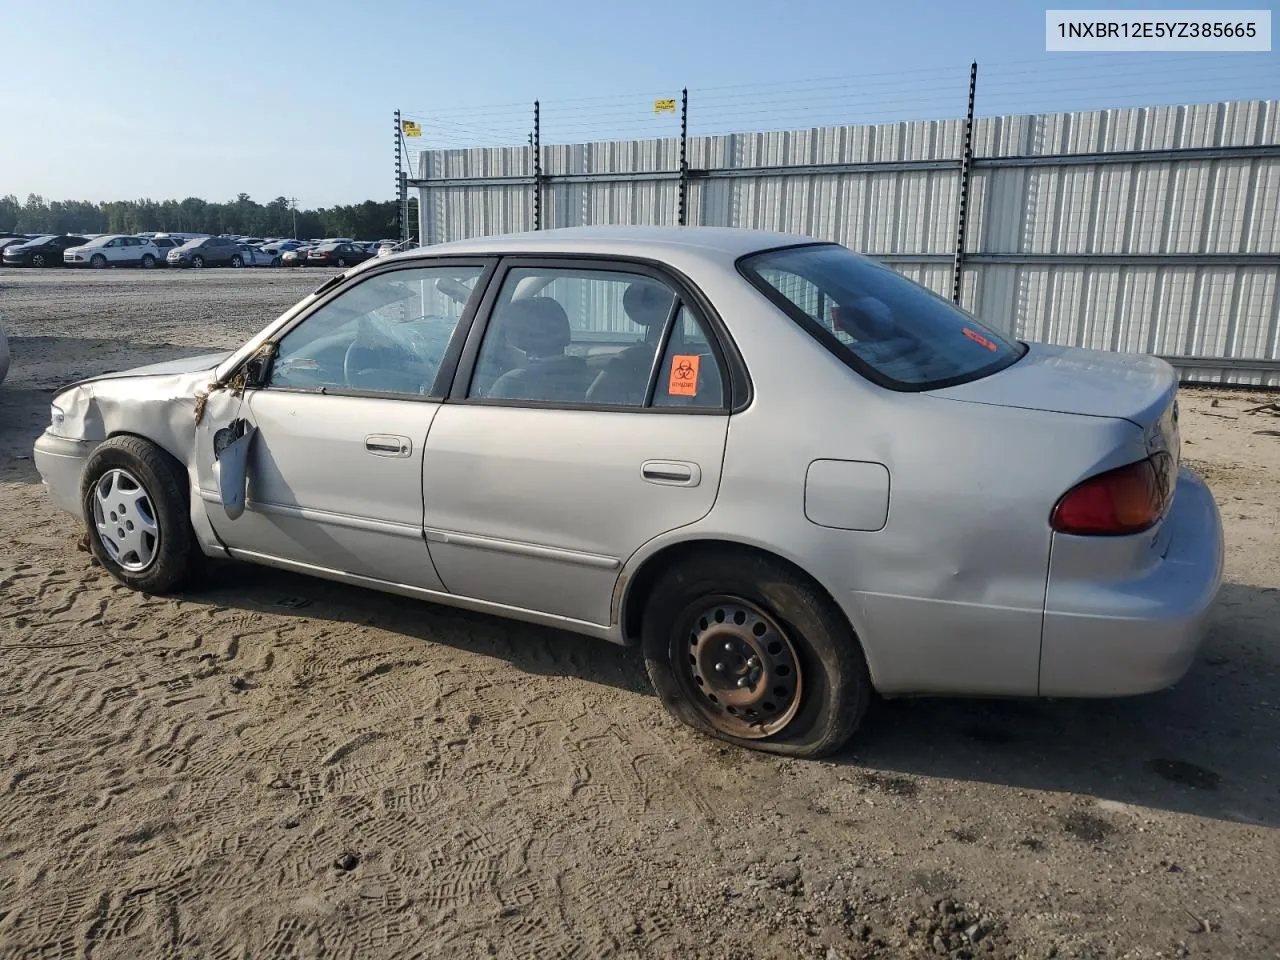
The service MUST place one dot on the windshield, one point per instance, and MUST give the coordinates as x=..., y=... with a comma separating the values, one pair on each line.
x=893, y=331
x=39, y=240
x=192, y=244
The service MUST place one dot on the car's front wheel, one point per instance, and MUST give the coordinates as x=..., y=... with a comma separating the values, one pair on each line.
x=98, y=261
x=38, y=260
x=197, y=262
x=148, y=261
x=747, y=649
x=134, y=499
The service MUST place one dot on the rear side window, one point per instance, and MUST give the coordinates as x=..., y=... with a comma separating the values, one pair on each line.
x=595, y=337
x=893, y=331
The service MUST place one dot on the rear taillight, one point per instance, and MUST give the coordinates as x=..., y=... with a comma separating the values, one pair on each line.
x=1129, y=499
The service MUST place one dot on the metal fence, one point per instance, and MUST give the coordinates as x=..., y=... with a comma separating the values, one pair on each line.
x=1148, y=229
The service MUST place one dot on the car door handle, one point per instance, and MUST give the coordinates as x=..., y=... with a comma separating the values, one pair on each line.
x=673, y=473
x=388, y=445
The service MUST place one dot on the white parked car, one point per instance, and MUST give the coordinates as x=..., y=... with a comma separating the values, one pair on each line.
x=257, y=257
x=114, y=250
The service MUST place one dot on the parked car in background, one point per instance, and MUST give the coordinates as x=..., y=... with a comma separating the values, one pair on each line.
x=207, y=252
x=6, y=242
x=257, y=257
x=297, y=257
x=115, y=250
x=999, y=518
x=280, y=247
x=43, y=251
x=165, y=244
x=337, y=254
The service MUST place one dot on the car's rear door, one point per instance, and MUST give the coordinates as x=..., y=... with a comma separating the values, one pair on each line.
x=577, y=430
x=334, y=473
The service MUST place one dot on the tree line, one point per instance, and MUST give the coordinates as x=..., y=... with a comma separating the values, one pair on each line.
x=370, y=220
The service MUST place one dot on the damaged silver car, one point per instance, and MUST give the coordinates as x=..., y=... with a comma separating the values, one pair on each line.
x=791, y=475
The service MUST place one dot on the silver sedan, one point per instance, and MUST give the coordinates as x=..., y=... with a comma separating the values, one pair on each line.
x=792, y=476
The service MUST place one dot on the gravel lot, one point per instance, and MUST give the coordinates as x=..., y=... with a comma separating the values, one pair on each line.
x=272, y=766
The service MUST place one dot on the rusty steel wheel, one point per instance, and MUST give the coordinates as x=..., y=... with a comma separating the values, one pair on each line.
x=739, y=669
x=747, y=648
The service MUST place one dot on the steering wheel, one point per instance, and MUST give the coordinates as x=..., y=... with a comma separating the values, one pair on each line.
x=378, y=364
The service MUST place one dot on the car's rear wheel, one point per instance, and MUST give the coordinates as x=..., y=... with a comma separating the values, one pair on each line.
x=134, y=499
x=236, y=261
x=342, y=261
x=197, y=262
x=148, y=261
x=744, y=648
x=37, y=260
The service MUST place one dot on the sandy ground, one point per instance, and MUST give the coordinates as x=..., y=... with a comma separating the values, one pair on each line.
x=272, y=766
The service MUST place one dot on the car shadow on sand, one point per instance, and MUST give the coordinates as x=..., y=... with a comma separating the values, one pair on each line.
x=1207, y=747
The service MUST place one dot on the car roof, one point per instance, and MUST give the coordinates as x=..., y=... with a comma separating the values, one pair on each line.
x=721, y=243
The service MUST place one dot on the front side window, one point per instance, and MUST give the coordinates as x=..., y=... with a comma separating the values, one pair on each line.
x=894, y=331
x=594, y=337
x=385, y=334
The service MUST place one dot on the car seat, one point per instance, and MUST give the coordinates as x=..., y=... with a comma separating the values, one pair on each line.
x=624, y=379
x=539, y=328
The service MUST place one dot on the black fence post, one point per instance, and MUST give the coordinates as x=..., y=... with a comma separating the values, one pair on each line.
x=966, y=165
x=537, y=166
x=683, y=214
x=400, y=224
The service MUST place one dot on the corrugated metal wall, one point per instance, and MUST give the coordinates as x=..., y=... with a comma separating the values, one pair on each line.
x=1069, y=240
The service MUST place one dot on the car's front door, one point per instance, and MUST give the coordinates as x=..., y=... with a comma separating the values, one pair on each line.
x=589, y=415
x=334, y=474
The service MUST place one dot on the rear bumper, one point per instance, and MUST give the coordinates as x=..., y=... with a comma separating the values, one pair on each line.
x=60, y=462
x=1136, y=633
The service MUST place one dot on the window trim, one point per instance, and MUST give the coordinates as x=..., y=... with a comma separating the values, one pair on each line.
x=735, y=386
x=438, y=388
x=838, y=349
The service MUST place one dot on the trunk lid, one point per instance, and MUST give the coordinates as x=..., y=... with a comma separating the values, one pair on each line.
x=1090, y=383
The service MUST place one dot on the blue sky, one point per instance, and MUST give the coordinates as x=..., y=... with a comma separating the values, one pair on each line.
x=104, y=100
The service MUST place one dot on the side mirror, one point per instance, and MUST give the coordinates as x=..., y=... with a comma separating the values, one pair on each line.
x=258, y=370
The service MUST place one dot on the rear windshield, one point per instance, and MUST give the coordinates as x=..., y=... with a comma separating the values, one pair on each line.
x=888, y=328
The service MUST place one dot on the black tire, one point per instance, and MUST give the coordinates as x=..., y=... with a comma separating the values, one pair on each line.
x=832, y=685
x=148, y=261
x=342, y=261
x=197, y=262
x=38, y=260
x=236, y=261
x=98, y=261
x=177, y=555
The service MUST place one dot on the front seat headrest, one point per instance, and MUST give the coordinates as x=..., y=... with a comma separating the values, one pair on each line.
x=866, y=318
x=536, y=325
x=647, y=303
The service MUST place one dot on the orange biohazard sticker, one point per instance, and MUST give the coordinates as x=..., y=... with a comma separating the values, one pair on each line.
x=684, y=375
x=979, y=338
